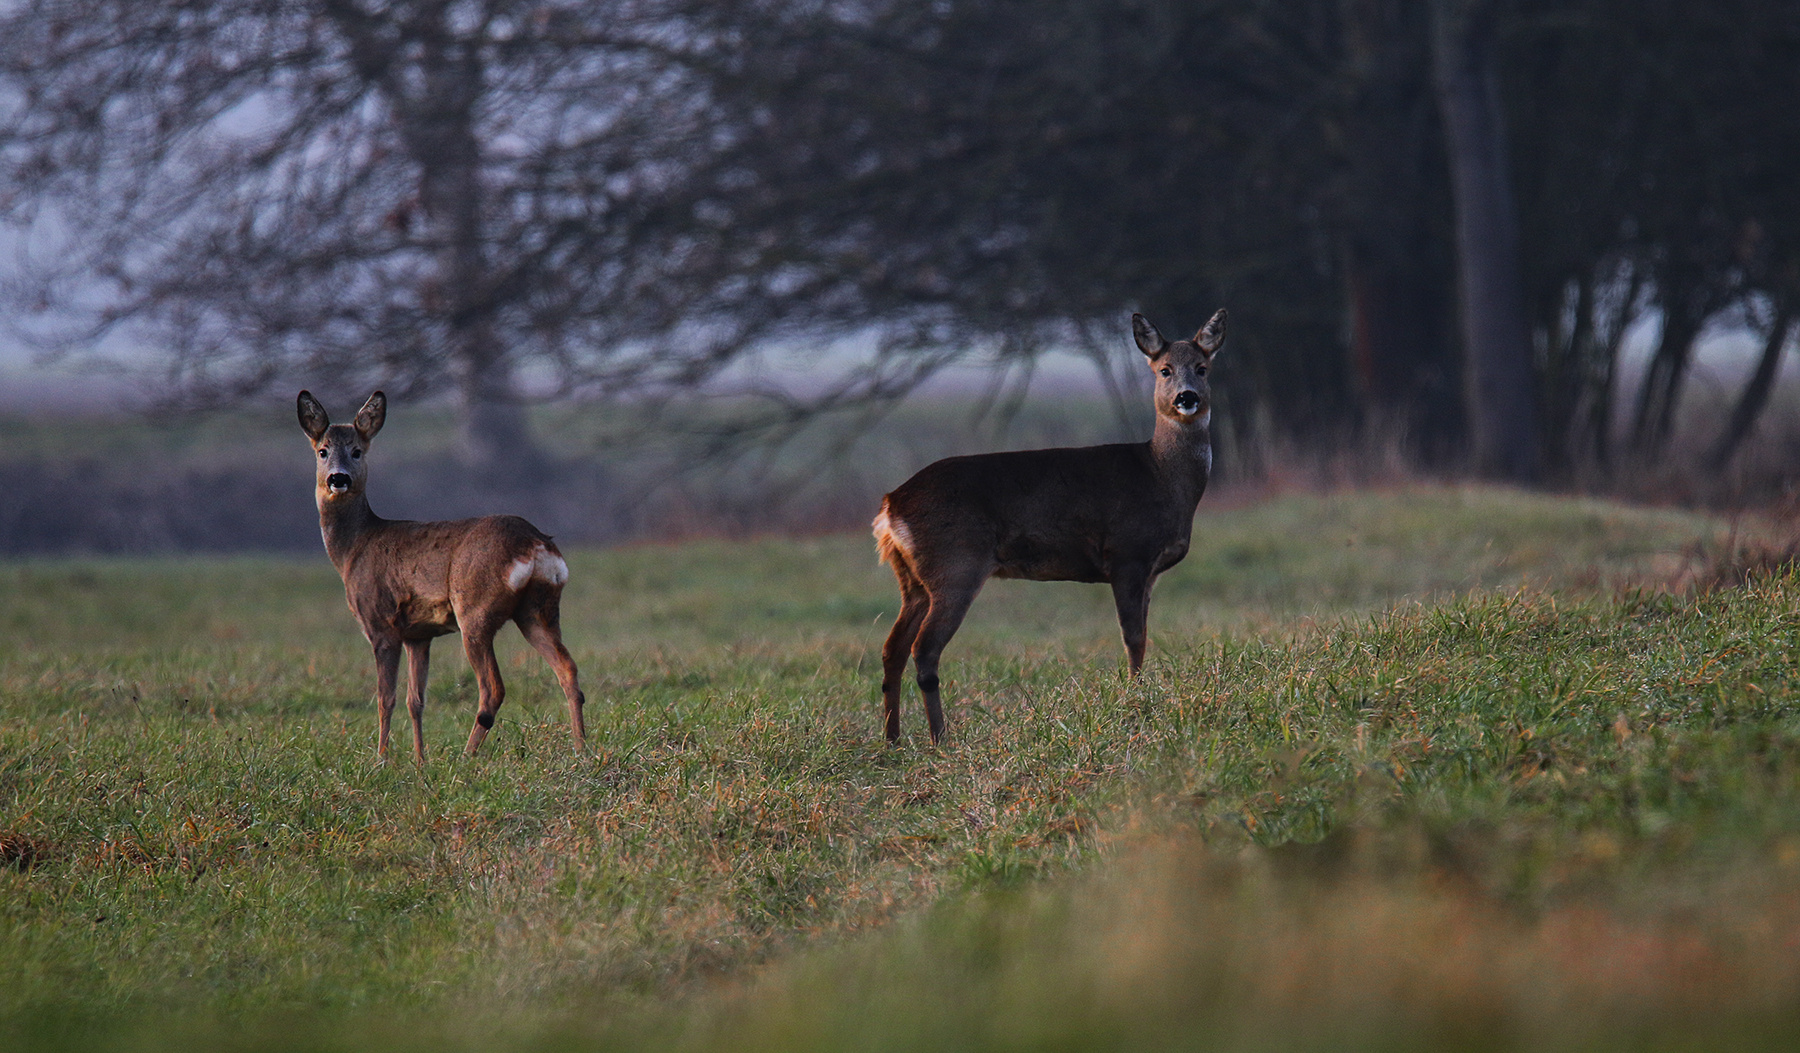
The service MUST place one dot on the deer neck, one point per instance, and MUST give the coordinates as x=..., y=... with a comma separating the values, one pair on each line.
x=342, y=522
x=1182, y=451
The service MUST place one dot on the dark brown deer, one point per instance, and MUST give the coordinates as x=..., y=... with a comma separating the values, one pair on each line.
x=1121, y=513
x=409, y=582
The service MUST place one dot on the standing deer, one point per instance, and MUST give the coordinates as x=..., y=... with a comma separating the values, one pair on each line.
x=408, y=582
x=1121, y=513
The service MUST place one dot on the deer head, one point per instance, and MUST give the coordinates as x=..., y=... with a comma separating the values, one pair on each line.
x=1181, y=367
x=341, y=470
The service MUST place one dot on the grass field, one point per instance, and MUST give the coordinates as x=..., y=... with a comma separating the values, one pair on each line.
x=1428, y=768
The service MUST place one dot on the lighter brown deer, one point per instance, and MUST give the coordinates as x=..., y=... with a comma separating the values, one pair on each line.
x=1121, y=513
x=409, y=582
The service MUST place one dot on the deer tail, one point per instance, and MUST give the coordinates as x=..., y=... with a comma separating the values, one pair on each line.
x=892, y=538
x=542, y=564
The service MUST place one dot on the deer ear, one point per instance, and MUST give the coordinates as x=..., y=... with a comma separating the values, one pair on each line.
x=1149, y=341
x=313, y=418
x=1211, y=336
x=372, y=415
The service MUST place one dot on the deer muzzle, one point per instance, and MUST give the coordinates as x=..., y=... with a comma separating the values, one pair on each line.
x=1187, y=403
x=338, y=482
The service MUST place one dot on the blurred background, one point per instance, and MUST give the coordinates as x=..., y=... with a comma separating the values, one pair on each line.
x=668, y=267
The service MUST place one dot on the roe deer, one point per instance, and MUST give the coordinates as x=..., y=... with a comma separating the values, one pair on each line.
x=408, y=582
x=1121, y=513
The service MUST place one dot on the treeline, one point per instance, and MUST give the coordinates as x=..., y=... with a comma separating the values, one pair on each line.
x=1440, y=216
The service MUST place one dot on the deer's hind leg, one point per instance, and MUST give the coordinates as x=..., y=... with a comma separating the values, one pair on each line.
x=951, y=596
x=418, y=670
x=478, y=644
x=914, y=602
x=541, y=622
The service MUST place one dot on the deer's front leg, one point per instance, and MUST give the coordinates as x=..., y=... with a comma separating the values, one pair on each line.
x=1131, y=595
x=387, y=677
x=418, y=669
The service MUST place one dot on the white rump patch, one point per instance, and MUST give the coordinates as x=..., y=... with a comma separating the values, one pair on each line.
x=542, y=565
x=893, y=529
x=550, y=569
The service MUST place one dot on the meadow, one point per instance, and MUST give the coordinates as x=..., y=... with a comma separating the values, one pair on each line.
x=1415, y=768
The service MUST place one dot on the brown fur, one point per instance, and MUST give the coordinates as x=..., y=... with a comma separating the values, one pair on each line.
x=1120, y=514
x=409, y=582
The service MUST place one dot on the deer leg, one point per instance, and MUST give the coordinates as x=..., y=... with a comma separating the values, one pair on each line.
x=914, y=602
x=949, y=603
x=1131, y=595
x=418, y=670
x=542, y=627
x=387, y=679
x=478, y=644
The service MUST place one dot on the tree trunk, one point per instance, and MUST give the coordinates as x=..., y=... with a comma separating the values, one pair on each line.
x=1397, y=352
x=1570, y=348
x=1497, y=378
x=1397, y=292
x=1662, y=383
x=1601, y=371
x=1756, y=392
x=436, y=117
x=492, y=432
x=1660, y=394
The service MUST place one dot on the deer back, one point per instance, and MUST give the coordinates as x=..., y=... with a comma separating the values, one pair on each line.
x=1065, y=514
x=419, y=577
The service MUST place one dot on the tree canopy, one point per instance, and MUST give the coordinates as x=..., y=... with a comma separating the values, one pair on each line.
x=423, y=194
x=436, y=194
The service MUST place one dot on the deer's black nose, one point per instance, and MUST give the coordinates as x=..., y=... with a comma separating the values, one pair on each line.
x=337, y=481
x=1187, y=401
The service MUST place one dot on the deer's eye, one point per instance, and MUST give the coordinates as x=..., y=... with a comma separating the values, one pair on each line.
x=356, y=455
x=1202, y=370
x=322, y=455
x=1166, y=371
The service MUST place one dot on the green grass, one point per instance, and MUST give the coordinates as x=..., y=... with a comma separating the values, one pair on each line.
x=1405, y=770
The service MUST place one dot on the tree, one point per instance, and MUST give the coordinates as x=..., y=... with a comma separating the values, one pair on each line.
x=1008, y=174
x=430, y=193
x=1027, y=169
x=426, y=194
x=1393, y=222
x=1498, y=382
x=1654, y=178
x=1011, y=171
x=1778, y=332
